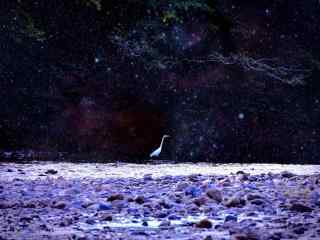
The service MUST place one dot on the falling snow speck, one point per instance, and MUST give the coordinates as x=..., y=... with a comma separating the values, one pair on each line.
x=241, y=116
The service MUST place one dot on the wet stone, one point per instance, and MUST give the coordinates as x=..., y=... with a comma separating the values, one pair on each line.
x=104, y=207
x=204, y=223
x=214, y=194
x=139, y=200
x=200, y=201
x=231, y=218
x=298, y=207
x=51, y=171
x=287, y=174
x=59, y=205
x=115, y=197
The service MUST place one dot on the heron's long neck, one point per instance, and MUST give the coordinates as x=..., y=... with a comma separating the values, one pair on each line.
x=162, y=141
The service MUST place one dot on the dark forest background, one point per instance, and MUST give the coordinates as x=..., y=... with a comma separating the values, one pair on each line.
x=230, y=81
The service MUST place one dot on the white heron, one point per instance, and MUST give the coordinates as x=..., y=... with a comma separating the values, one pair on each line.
x=157, y=152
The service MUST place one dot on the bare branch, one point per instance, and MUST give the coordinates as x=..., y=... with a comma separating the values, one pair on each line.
x=270, y=67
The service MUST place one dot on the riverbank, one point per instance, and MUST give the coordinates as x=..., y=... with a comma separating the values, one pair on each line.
x=123, y=201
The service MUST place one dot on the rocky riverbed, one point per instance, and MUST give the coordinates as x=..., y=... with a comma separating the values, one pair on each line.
x=166, y=201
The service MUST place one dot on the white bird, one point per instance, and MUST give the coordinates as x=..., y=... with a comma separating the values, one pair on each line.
x=157, y=152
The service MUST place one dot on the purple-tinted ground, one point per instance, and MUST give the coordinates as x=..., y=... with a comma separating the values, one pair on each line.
x=165, y=201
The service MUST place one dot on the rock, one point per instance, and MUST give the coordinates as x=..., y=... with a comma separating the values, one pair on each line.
x=59, y=205
x=114, y=197
x=165, y=223
x=193, y=191
x=299, y=207
x=231, y=218
x=29, y=205
x=145, y=223
x=5, y=205
x=181, y=186
x=314, y=197
x=200, y=201
x=257, y=202
x=90, y=221
x=204, y=223
x=119, y=204
x=51, y=171
x=286, y=174
x=107, y=218
x=147, y=177
x=214, y=194
x=235, y=201
x=104, y=207
x=161, y=214
x=174, y=217
x=299, y=230
x=243, y=236
x=208, y=238
x=140, y=199
x=66, y=222
x=253, y=196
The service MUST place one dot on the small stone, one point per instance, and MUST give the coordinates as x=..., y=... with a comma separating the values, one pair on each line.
x=174, y=217
x=51, y=171
x=104, y=207
x=165, y=223
x=115, y=197
x=90, y=221
x=257, y=202
x=243, y=236
x=235, y=201
x=231, y=218
x=107, y=218
x=214, y=194
x=298, y=207
x=59, y=205
x=145, y=223
x=29, y=205
x=193, y=191
x=139, y=200
x=252, y=196
x=200, y=201
x=147, y=177
x=181, y=186
x=204, y=223
x=286, y=174
x=299, y=230
x=208, y=238
x=4, y=205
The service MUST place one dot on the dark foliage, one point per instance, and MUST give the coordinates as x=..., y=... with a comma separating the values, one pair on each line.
x=229, y=80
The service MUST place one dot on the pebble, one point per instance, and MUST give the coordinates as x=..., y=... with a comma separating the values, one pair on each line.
x=299, y=207
x=104, y=207
x=114, y=197
x=51, y=171
x=139, y=199
x=215, y=194
x=59, y=205
x=204, y=223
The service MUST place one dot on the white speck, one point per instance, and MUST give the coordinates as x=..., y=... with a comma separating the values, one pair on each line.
x=96, y=60
x=241, y=116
